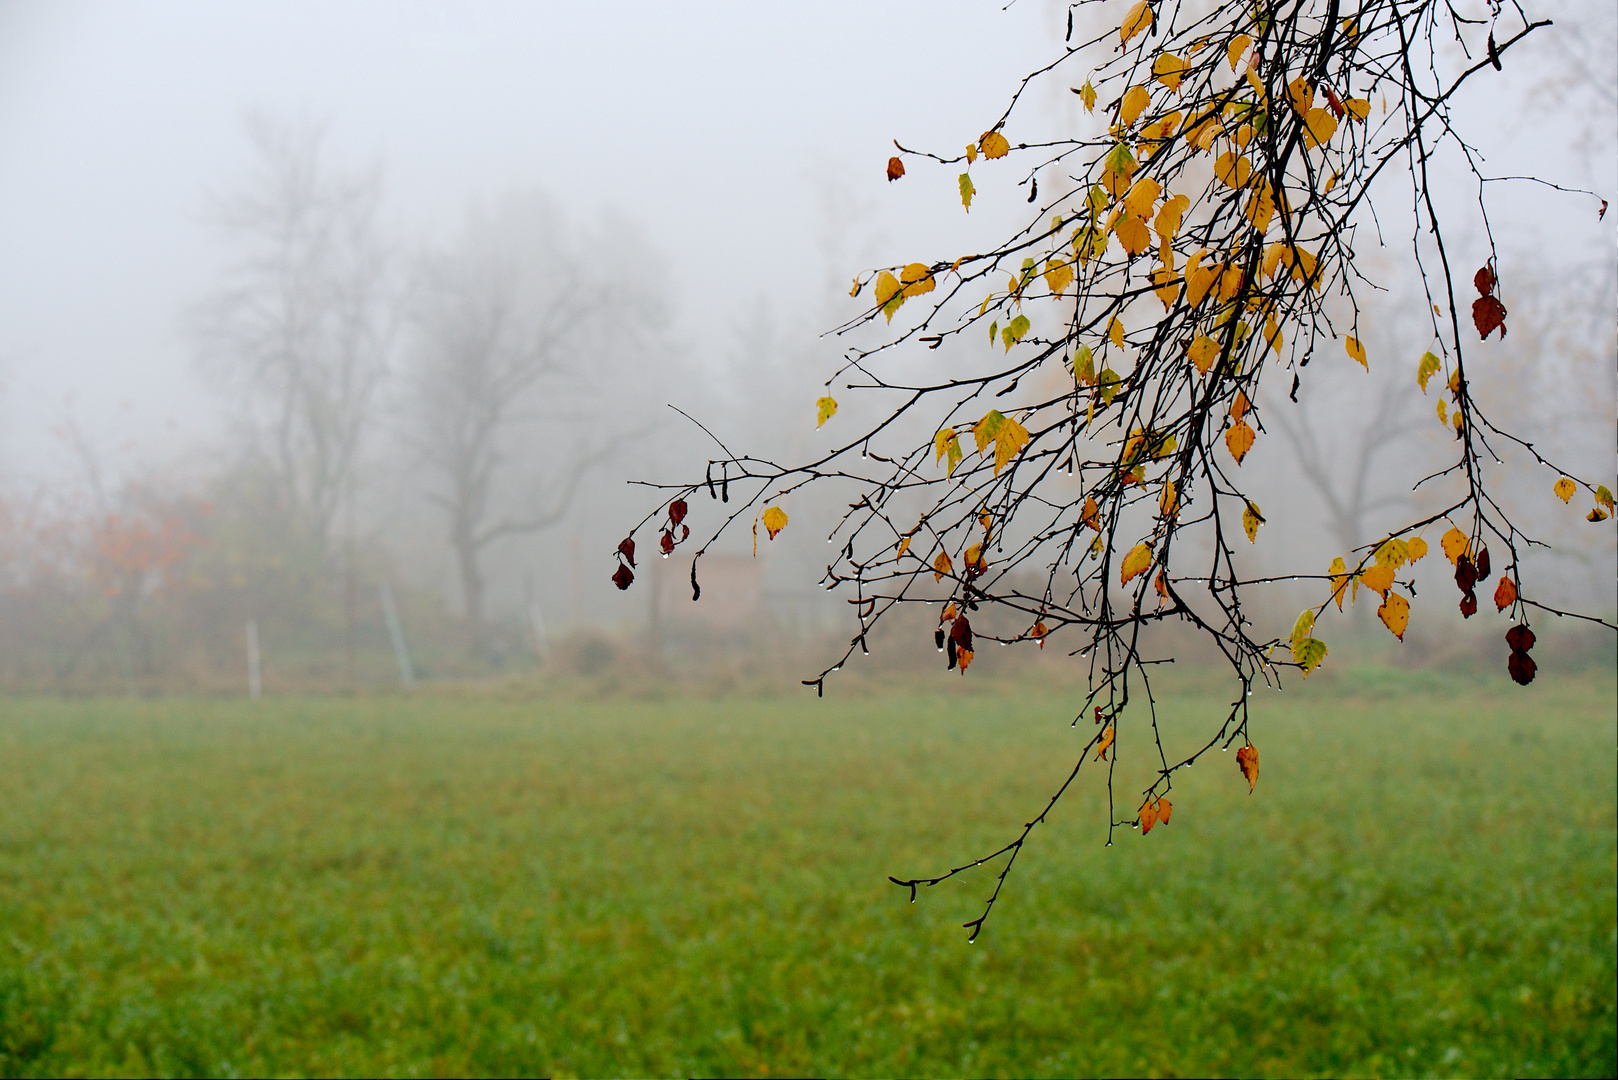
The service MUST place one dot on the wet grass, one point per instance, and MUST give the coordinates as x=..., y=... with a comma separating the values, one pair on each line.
x=1422, y=884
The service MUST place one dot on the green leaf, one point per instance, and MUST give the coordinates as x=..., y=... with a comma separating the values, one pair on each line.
x=1302, y=628
x=1084, y=366
x=1107, y=382
x=1426, y=369
x=1309, y=653
x=967, y=191
x=1014, y=331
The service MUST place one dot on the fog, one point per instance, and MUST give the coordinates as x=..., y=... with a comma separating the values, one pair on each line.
x=707, y=176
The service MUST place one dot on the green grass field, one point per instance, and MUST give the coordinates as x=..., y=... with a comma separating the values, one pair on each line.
x=1422, y=884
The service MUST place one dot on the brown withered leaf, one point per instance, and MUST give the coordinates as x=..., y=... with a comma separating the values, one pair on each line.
x=1247, y=761
x=1520, y=638
x=1521, y=667
x=1487, y=314
x=623, y=576
x=1484, y=280
x=896, y=169
x=626, y=548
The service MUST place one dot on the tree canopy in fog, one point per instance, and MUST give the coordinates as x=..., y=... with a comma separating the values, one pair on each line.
x=1203, y=230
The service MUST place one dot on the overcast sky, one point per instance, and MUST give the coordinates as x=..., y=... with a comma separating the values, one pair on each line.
x=710, y=123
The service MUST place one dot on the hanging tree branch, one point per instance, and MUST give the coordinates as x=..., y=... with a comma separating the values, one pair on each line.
x=1206, y=237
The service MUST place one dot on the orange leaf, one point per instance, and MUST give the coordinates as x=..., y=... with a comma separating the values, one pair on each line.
x=896, y=169
x=963, y=657
x=1247, y=761
x=1395, y=614
x=1505, y=594
x=1147, y=815
x=1378, y=579
x=1239, y=440
x=942, y=565
x=1091, y=514
x=1164, y=809
x=1106, y=741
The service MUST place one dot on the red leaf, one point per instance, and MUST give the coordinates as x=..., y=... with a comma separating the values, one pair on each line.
x=1469, y=604
x=1335, y=102
x=1522, y=667
x=666, y=543
x=626, y=548
x=1466, y=574
x=623, y=576
x=1520, y=638
x=677, y=510
x=1484, y=280
x=1488, y=313
x=960, y=632
x=1483, y=563
x=1603, y=211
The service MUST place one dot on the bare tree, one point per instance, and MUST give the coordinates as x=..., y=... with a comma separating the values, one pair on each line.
x=302, y=323
x=513, y=328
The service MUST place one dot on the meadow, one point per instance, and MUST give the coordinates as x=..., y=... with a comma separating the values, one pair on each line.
x=1422, y=884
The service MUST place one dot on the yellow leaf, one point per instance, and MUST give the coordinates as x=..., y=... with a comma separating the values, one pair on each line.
x=904, y=546
x=948, y=444
x=775, y=519
x=1239, y=440
x=1087, y=94
x=1356, y=352
x=1232, y=169
x=1272, y=259
x=1359, y=108
x=1203, y=352
x=1302, y=628
x=1378, y=579
x=887, y=287
x=1301, y=92
x=974, y=557
x=984, y=431
x=1603, y=496
x=1133, y=235
x=971, y=152
x=917, y=279
x=1238, y=45
x=1091, y=514
x=1168, y=501
x=1058, y=275
x=1416, y=548
x=826, y=407
x=1251, y=520
x=942, y=565
x=1136, y=98
x=1169, y=216
x=1272, y=333
x=1395, y=614
x=1426, y=369
x=1339, y=580
x=1392, y=553
x=1239, y=406
x=1135, y=563
x=967, y=191
x=1009, y=440
x=1167, y=280
x=1260, y=207
x=1443, y=411
x=1169, y=69
x=1142, y=197
x=1115, y=333
x=1454, y=544
x=1564, y=489
x=1137, y=21
x=1320, y=127
x=994, y=145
